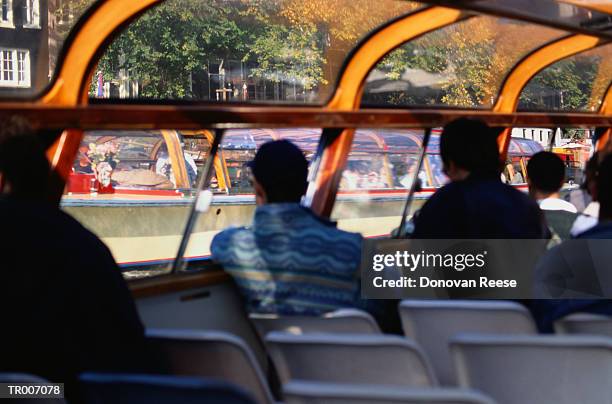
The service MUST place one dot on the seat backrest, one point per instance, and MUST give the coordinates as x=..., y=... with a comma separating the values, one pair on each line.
x=351, y=321
x=209, y=354
x=29, y=378
x=432, y=323
x=536, y=369
x=133, y=389
x=303, y=392
x=349, y=358
x=585, y=323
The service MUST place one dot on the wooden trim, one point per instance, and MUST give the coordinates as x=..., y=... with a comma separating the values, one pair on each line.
x=148, y=117
x=333, y=161
x=605, y=143
x=65, y=146
x=522, y=72
x=164, y=284
x=503, y=140
x=177, y=158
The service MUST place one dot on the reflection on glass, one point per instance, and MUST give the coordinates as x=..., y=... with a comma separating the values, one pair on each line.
x=236, y=204
x=462, y=65
x=133, y=189
x=239, y=50
x=577, y=83
x=379, y=172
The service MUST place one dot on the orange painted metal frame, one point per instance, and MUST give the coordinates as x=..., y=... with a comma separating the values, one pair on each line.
x=605, y=143
x=519, y=76
x=177, y=159
x=72, y=80
x=350, y=88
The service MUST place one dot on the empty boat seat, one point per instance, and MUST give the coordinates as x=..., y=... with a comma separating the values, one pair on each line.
x=536, y=369
x=303, y=392
x=210, y=354
x=585, y=323
x=106, y=388
x=339, y=321
x=432, y=323
x=349, y=358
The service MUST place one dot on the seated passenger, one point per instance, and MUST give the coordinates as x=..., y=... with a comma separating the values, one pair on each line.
x=546, y=175
x=289, y=261
x=579, y=268
x=65, y=306
x=476, y=204
x=589, y=214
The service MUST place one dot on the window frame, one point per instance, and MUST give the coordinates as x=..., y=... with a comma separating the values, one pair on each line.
x=15, y=63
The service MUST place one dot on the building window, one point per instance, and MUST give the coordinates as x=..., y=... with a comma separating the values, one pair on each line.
x=31, y=13
x=14, y=68
x=6, y=14
x=7, y=66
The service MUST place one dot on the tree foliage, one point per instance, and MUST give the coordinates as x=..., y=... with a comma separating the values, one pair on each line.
x=282, y=40
x=470, y=60
x=305, y=43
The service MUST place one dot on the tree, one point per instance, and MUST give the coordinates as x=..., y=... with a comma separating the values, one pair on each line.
x=284, y=40
x=166, y=45
x=469, y=61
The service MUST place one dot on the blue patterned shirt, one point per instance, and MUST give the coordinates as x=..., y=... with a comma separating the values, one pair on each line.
x=291, y=261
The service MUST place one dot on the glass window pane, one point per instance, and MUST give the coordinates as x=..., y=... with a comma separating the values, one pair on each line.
x=577, y=83
x=234, y=204
x=239, y=51
x=379, y=172
x=38, y=29
x=125, y=188
x=462, y=65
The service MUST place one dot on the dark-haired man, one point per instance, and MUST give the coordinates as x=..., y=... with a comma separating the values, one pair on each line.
x=476, y=204
x=63, y=301
x=289, y=261
x=546, y=175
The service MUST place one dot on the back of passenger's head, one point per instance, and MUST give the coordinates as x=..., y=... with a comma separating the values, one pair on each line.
x=546, y=172
x=24, y=168
x=282, y=171
x=604, y=188
x=471, y=145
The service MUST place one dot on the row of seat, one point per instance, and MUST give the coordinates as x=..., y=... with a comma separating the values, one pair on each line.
x=342, y=356
x=432, y=323
x=509, y=368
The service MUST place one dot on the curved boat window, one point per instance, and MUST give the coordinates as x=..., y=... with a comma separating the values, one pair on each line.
x=288, y=51
x=234, y=204
x=32, y=34
x=134, y=189
x=462, y=65
x=577, y=83
x=378, y=174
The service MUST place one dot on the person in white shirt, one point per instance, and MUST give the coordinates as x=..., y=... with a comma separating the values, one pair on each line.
x=546, y=175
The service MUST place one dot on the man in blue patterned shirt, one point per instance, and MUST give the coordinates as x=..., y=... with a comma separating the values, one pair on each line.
x=289, y=261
